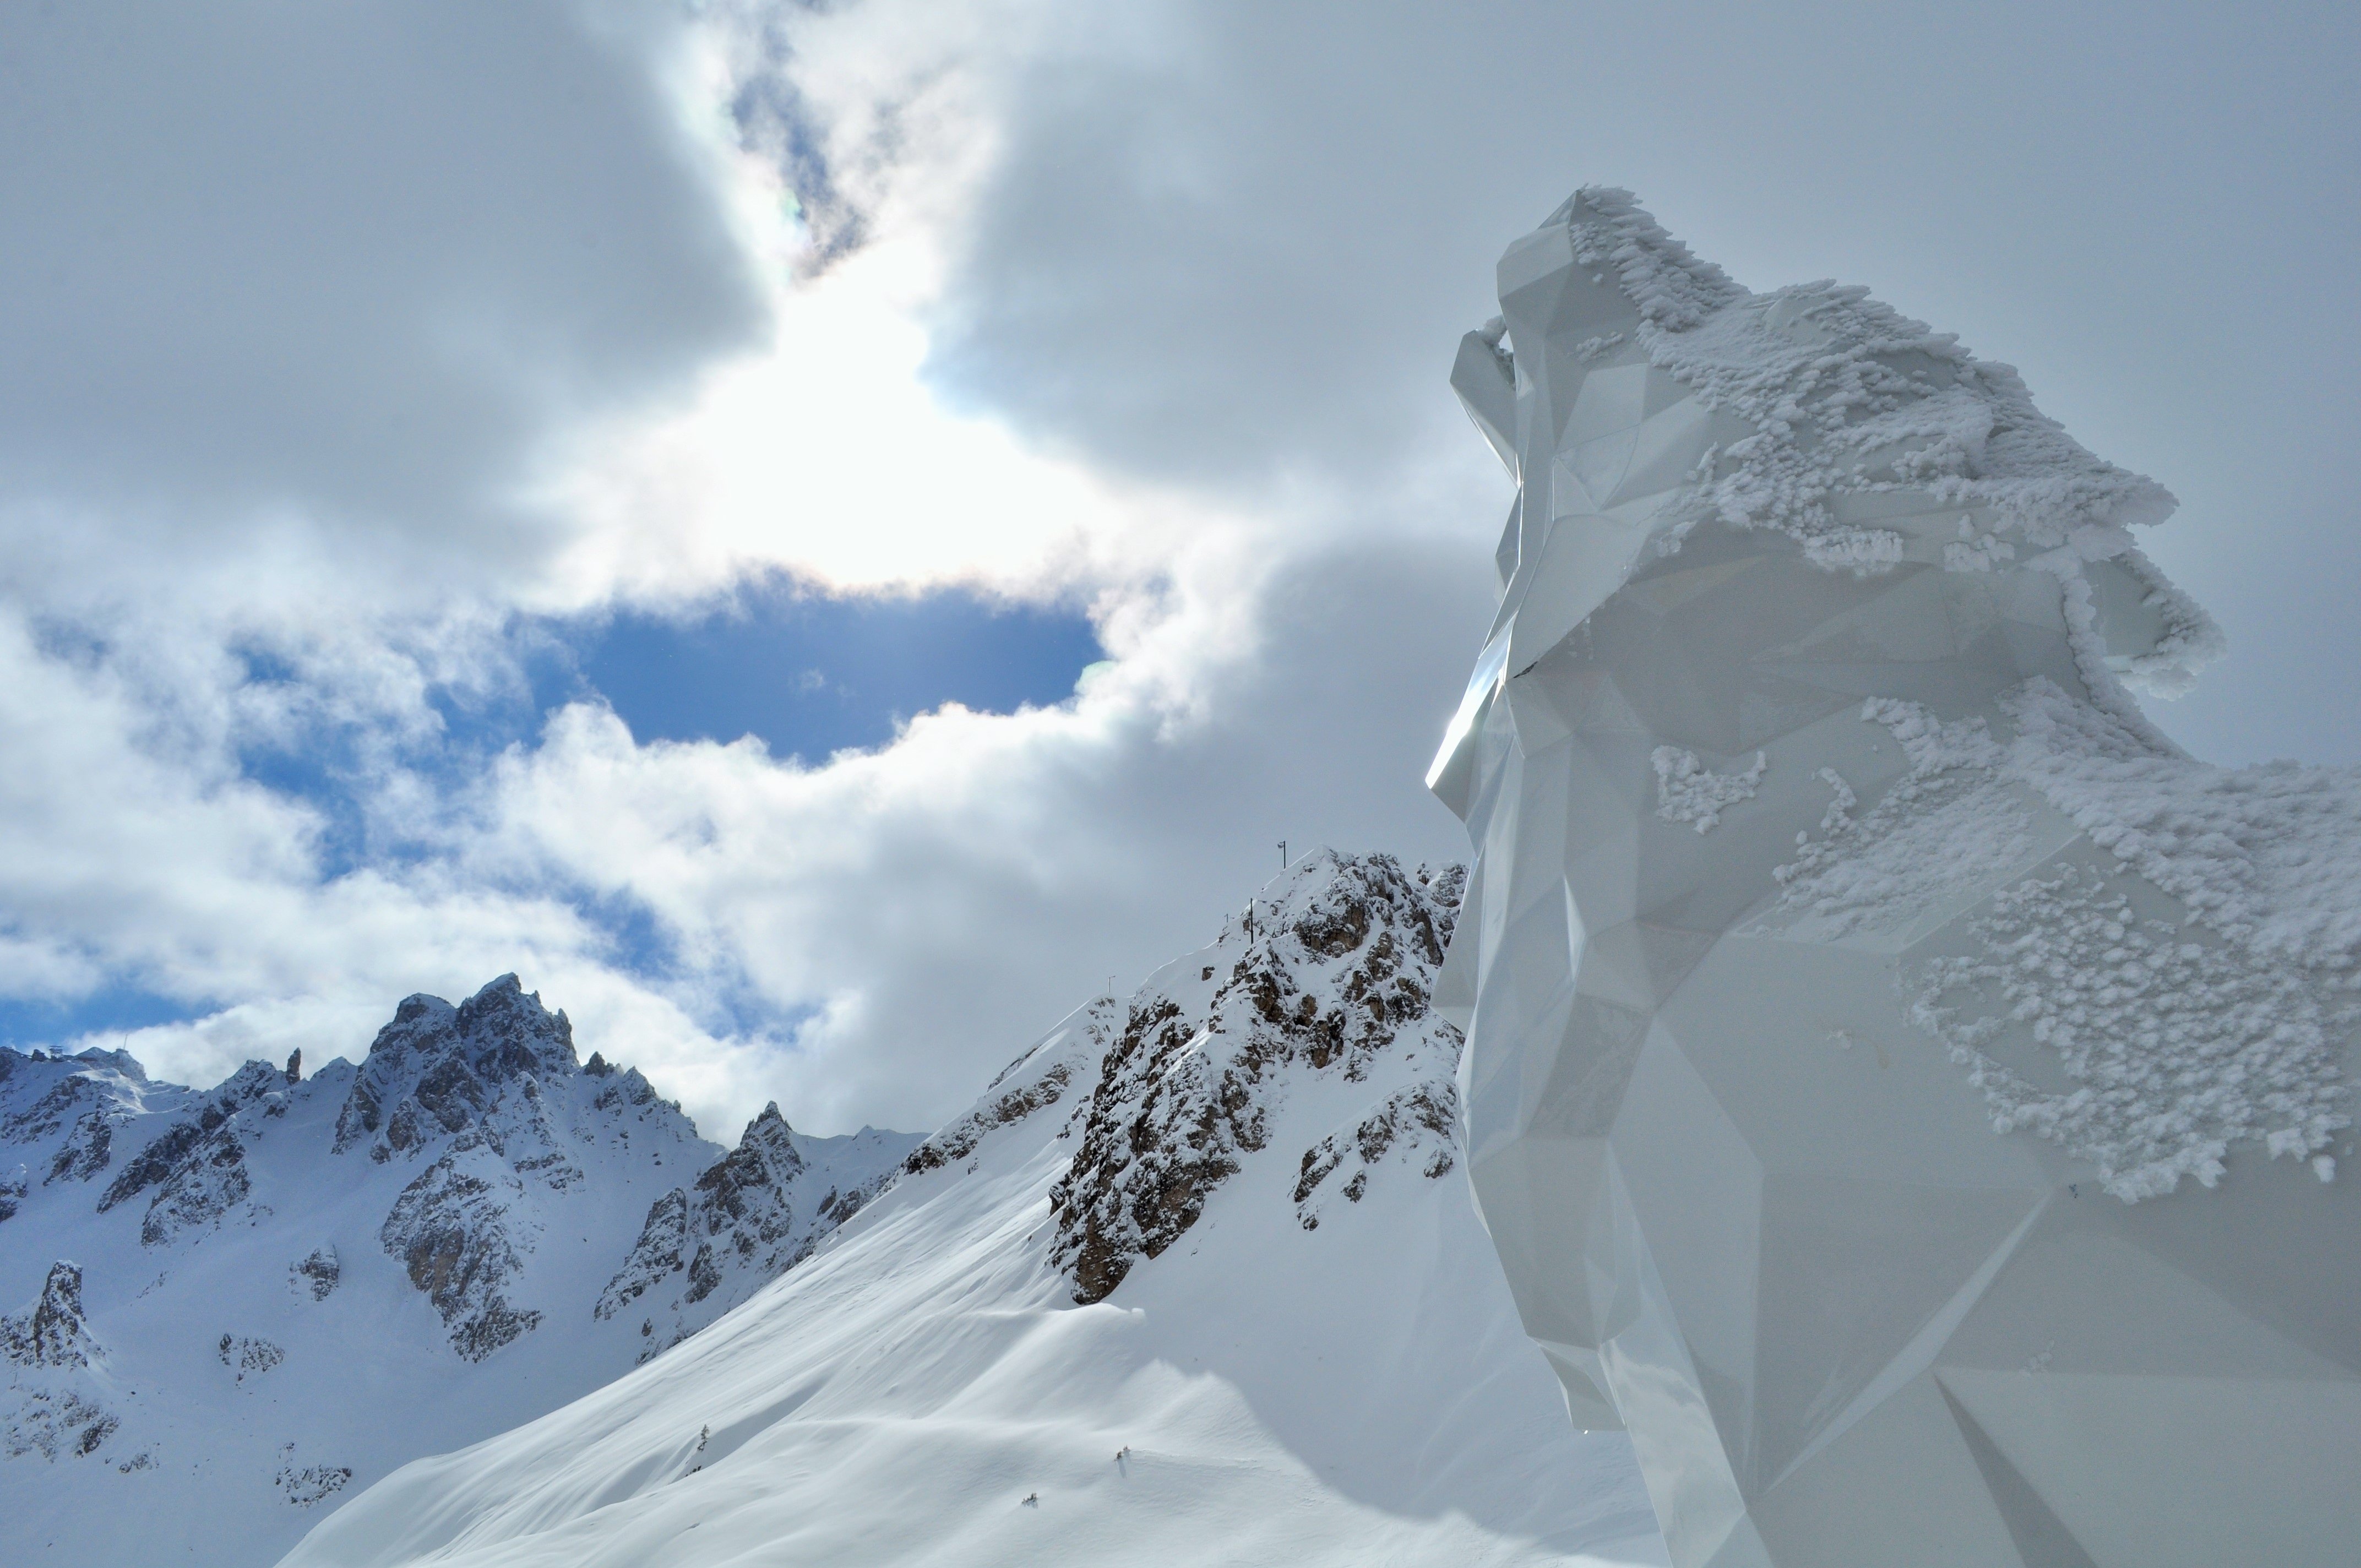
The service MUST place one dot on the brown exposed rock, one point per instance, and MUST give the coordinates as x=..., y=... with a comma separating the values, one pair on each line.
x=1343, y=962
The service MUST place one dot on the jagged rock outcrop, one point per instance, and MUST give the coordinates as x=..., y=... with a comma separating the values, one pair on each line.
x=54, y=1422
x=248, y=1357
x=317, y=1274
x=1336, y=971
x=747, y=1218
x=52, y=1332
x=308, y=1486
x=196, y=1167
x=51, y=1407
x=1417, y=1127
x=438, y=1070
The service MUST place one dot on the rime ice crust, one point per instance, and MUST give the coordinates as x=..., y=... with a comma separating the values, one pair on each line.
x=1881, y=1042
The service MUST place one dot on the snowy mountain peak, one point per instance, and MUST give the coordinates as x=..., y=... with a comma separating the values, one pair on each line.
x=68, y=1108
x=282, y=1318
x=194, y=1172
x=1310, y=1356
x=436, y=1069
x=749, y=1217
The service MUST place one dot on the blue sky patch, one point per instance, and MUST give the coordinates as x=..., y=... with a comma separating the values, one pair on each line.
x=811, y=676
x=109, y=1010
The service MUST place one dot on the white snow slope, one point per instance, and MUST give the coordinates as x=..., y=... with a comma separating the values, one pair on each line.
x=1300, y=1350
x=279, y=1291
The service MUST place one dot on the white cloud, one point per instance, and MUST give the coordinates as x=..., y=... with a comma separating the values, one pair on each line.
x=333, y=343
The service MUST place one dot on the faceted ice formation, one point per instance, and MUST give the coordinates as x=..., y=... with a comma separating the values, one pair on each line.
x=1881, y=1040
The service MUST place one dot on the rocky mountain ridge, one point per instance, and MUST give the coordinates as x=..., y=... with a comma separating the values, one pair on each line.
x=1194, y=1281
x=747, y=1219
x=299, y=1281
x=1332, y=975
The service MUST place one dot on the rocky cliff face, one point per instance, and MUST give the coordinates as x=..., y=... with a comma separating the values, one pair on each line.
x=193, y=1172
x=1329, y=979
x=52, y=1332
x=746, y=1220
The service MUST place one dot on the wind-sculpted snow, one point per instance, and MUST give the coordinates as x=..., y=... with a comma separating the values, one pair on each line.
x=2172, y=1048
x=1320, y=1368
x=300, y=1283
x=1332, y=973
x=1854, y=979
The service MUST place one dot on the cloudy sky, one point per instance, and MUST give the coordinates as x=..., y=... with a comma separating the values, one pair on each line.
x=822, y=534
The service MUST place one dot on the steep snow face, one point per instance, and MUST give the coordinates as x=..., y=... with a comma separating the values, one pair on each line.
x=1195, y=1282
x=247, y=1299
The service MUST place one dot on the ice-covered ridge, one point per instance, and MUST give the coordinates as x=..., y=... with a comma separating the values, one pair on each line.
x=1331, y=972
x=1864, y=436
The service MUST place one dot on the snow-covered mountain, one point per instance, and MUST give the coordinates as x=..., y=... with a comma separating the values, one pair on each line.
x=242, y=1303
x=1197, y=1280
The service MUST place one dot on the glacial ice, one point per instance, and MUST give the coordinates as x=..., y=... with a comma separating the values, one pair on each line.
x=1882, y=1039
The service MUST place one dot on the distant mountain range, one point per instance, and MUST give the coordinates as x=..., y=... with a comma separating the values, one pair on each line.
x=1195, y=1283
x=1196, y=1280
x=240, y=1305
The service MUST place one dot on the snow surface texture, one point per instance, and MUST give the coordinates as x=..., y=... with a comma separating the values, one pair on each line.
x=246, y=1301
x=1904, y=1089
x=1195, y=1282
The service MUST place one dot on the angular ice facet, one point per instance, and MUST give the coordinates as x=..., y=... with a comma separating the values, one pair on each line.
x=1882, y=1041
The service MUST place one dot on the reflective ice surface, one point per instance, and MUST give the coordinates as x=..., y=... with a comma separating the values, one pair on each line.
x=1919, y=1182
